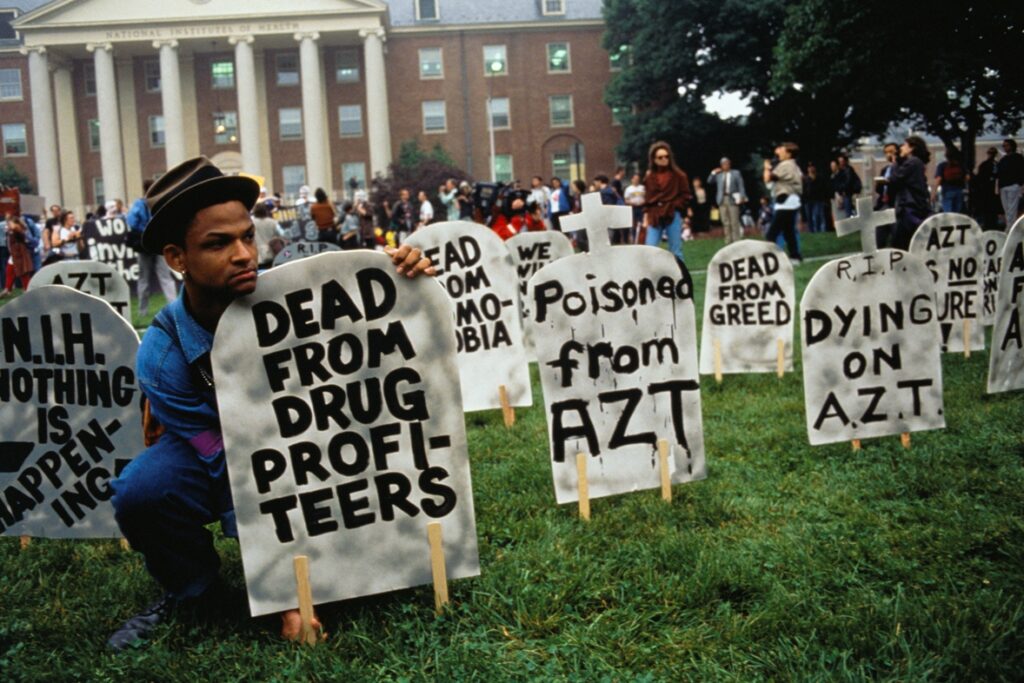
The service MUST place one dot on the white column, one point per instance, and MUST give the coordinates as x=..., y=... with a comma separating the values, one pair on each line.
x=313, y=124
x=44, y=127
x=170, y=99
x=248, y=104
x=67, y=138
x=378, y=125
x=111, y=155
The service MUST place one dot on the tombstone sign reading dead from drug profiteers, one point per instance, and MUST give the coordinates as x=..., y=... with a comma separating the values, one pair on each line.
x=1006, y=361
x=950, y=244
x=69, y=421
x=871, y=348
x=748, y=309
x=89, y=277
x=531, y=251
x=302, y=249
x=991, y=264
x=617, y=353
x=476, y=270
x=343, y=428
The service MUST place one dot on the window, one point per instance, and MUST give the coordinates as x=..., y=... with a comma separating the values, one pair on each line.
x=495, y=63
x=561, y=110
x=222, y=74
x=434, y=119
x=499, y=113
x=558, y=58
x=346, y=66
x=350, y=120
x=156, y=131
x=94, y=135
x=617, y=58
x=350, y=171
x=552, y=7
x=89, y=77
x=561, y=165
x=294, y=177
x=225, y=127
x=99, y=196
x=503, y=168
x=151, y=72
x=430, y=63
x=570, y=163
x=10, y=84
x=288, y=69
x=427, y=10
x=290, y=123
x=15, y=140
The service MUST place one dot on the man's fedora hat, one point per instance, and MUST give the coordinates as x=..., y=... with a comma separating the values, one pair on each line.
x=185, y=190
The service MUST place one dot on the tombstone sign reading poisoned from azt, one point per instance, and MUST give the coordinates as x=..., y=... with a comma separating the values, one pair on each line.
x=69, y=421
x=89, y=277
x=748, y=309
x=1006, y=361
x=476, y=270
x=106, y=239
x=617, y=353
x=866, y=222
x=950, y=244
x=871, y=348
x=991, y=264
x=343, y=428
x=530, y=252
x=301, y=249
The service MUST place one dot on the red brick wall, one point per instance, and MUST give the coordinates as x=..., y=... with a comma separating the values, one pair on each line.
x=20, y=111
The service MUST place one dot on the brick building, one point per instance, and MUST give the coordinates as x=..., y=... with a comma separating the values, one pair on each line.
x=96, y=95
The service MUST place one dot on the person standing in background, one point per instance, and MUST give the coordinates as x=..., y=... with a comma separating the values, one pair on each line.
x=786, y=184
x=635, y=196
x=729, y=196
x=950, y=182
x=909, y=189
x=149, y=265
x=984, y=199
x=447, y=193
x=667, y=192
x=1010, y=177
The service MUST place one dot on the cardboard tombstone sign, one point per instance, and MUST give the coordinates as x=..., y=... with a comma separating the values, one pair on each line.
x=476, y=270
x=950, y=244
x=617, y=351
x=70, y=417
x=530, y=252
x=866, y=222
x=870, y=340
x=343, y=428
x=748, y=309
x=991, y=264
x=107, y=240
x=1006, y=361
x=89, y=277
x=301, y=249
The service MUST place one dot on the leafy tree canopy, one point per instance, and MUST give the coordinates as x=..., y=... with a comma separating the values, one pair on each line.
x=12, y=177
x=416, y=169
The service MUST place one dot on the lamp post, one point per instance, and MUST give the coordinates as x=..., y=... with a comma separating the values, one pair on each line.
x=494, y=67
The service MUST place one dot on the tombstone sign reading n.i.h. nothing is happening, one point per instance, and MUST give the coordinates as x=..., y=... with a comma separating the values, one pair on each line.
x=476, y=270
x=69, y=421
x=991, y=264
x=1006, y=361
x=871, y=348
x=617, y=353
x=343, y=428
x=531, y=251
x=301, y=249
x=950, y=245
x=89, y=277
x=748, y=310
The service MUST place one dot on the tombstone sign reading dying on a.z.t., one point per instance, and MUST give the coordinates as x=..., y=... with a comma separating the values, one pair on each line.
x=343, y=427
x=106, y=239
x=475, y=268
x=871, y=348
x=530, y=252
x=991, y=264
x=89, y=277
x=748, y=309
x=950, y=245
x=1006, y=361
x=300, y=250
x=617, y=352
x=69, y=421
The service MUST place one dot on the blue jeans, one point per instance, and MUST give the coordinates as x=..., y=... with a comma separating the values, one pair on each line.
x=674, y=234
x=816, y=216
x=952, y=200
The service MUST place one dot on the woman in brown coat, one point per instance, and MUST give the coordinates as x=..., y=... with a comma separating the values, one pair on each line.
x=19, y=264
x=667, y=193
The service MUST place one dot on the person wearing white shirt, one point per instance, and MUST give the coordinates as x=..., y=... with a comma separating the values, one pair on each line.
x=635, y=195
x=426, y=210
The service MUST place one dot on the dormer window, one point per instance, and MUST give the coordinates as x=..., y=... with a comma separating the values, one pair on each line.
x=551, y=8
x=427, y=10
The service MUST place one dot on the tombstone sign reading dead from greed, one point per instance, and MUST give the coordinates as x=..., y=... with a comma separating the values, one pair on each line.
x=302, y=249
x=89, y=277
x=1006, y=361
x=476, y=270
x=991, y=264
x=950, y=244
x=748, y=310
x=530, y=252
x=69, y=421
x=343, y=429
x=871, y=348
x=617, y=353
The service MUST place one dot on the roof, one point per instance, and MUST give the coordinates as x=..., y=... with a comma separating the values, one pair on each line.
x=461, y=12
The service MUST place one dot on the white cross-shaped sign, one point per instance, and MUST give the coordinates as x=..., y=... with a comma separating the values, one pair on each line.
x=865, y=222
x=596, y=218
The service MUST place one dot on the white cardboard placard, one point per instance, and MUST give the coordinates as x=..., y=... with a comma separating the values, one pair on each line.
x=89, y=277
x=1006, y=361
x=991, y=263
x=343, y=429
x=870, y=341
x=302, y=249
x=69, y=421
x=531, y=251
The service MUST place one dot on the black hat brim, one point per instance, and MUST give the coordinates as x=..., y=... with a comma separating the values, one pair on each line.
x=179, y=211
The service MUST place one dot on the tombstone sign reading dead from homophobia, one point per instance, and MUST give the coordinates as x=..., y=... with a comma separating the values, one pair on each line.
x=301, y=249
x=748, y=309
x=991, y=264
x=871, y=348
x=89, y=277
x=950, y=245
x=1006, y=361
x=617, y=352
x=530, y=252
x=106, y=239
x=476, y=270
x=343, y=428
x=70, y=417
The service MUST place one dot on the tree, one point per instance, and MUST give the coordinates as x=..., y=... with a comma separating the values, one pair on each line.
x=10, y=176
x=415, y=170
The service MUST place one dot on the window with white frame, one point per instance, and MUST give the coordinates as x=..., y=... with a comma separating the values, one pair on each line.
x=222, y=74
x=99, y=196
x=89, y=78
x=156, y=131
x=151, y=72
x=434, y=118
x=287, y=68
x=346, y=66
x=495, y=60
x=294, y=177
x=290, y=123
x=560, y=107
x=353, y=170
x=428, y=10
x=558, y=58
x=430, y=63
x=15, y=140
x=500, y=118
x=503, y=168
x=225, y=127
x=94, y=135
x=10, y=84
x=551, y=8
x=350, y=120
x=561, y=165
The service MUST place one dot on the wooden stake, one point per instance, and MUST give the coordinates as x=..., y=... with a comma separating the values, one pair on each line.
x=507, y=411
x=967, y=338
x=305, y=593
x=666, y=478
x=780, y=358
x=584, y=488
x=25, y=541
x=124, y=545
x=856, y=444
x=437, y=567
x=718, y=360
x=905, y=439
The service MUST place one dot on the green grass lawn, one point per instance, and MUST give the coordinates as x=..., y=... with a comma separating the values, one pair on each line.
x=787, y=563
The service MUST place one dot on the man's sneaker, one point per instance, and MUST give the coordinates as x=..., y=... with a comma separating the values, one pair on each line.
x=142, y=624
